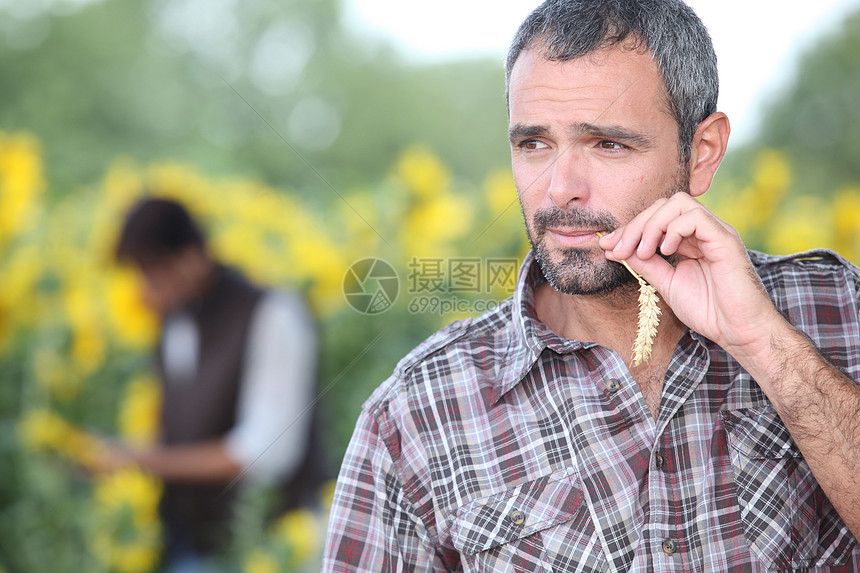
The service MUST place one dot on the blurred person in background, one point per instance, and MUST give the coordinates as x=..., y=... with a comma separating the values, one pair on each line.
x=238, y=366
x=533, y=438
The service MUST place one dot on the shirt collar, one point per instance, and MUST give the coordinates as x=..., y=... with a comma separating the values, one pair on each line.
x=529, y=336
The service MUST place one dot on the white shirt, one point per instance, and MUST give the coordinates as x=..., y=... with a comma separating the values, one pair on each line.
x=276, y=393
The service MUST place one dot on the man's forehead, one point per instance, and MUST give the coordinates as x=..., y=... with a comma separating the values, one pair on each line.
x=537, y=55
x=613, y=70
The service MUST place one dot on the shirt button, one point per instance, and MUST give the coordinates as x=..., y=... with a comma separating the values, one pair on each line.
x=613, y=385
x=669, y=547
x=658, y=460
x=517, y=517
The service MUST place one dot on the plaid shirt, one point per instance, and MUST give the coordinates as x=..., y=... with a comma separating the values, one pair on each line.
x=497, y=445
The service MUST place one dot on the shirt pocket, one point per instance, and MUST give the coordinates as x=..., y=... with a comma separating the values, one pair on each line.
x=788, y=521
x=524, y=528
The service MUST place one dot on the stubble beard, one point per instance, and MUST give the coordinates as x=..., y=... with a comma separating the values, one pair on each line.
x=584, y=271
x=577, y=271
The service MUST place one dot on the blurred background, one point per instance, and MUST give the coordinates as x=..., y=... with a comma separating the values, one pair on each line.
x=308, y=135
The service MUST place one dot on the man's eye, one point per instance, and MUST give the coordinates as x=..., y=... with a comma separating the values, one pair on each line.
x=606, y=144
x=531, y=144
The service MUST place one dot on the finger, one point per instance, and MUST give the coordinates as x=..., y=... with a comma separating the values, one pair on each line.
x=656, y=226
x=656, y=271
x=608, y=241
x=673, y=221
x=699, y=233
x=645, y=233
x=628, y=237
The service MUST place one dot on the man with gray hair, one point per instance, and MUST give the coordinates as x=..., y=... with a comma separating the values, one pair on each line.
x=534, y=438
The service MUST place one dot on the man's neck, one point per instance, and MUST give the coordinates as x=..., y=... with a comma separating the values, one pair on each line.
x=610, y=319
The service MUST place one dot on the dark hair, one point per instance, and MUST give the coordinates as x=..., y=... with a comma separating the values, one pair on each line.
x=155, y=228
x=678, y=41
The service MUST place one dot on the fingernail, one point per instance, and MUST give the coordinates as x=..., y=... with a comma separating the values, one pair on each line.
x=618, y=245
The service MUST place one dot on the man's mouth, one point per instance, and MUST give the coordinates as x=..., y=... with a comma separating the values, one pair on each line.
x=572, y=237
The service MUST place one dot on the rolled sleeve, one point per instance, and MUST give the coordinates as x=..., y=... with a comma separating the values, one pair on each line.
x=276, y=395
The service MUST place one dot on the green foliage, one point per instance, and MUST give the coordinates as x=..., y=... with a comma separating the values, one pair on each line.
x=249, y=88
x=816, y=118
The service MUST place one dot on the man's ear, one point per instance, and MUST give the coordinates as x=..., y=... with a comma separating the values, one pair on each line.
x=707, y=151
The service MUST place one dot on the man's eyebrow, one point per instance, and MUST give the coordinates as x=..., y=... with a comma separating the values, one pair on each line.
x=612, y=132
x=520, y=131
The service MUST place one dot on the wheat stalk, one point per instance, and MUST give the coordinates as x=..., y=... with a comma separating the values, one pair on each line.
x=649, y=318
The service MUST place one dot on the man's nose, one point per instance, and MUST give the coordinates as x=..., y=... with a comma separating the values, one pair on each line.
x=569, y=179
x=153, y=295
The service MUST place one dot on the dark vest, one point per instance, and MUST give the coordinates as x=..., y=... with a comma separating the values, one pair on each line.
x=197, y=516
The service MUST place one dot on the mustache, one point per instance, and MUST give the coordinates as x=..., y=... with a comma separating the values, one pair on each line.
x=574, y=218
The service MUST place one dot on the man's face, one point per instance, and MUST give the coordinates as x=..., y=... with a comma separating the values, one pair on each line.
x=592, y=145
x=171, y=281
